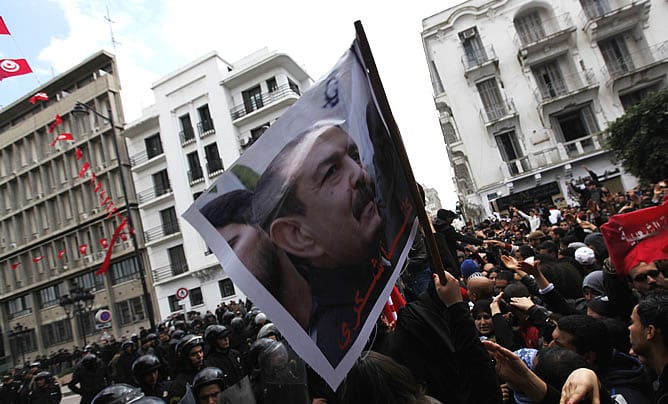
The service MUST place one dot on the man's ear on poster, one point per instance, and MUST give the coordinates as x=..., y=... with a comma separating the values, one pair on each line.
x=294, y=237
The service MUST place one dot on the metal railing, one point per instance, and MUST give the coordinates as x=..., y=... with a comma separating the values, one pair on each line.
x=583, y=145
x=494, y=113
x=282, y=92
x=568, y=85
x=162, y=230
x=187, y=135
x=168, y=271
x=195, y=175
x=150, y=194
x=477, y=58
x=548, y=28
x=635, y=60
x=594, y=9
x=205, y=128
x=214, y=166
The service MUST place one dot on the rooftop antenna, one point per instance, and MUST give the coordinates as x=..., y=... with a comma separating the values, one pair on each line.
x=111, y=30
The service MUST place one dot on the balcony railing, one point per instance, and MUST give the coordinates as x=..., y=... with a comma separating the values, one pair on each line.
x=168, y=271
x=635, y=61
x=594, y=9
x=187, y=135
x=280, y=93
x=548, y=28
x=568, y=85
x=471, y=60
x=195, y=175
x=495, y=113
x=205, y=128
x=150, y=194
x=214, y=166
x=160, y=231
x=143, y=157
x=583, y=145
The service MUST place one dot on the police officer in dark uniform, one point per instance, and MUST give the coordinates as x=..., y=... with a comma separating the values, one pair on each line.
x=45, y=390
x=221, y=356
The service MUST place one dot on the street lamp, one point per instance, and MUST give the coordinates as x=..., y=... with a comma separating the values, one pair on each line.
x=17, y=335
x=79, y=301
x=81, y=109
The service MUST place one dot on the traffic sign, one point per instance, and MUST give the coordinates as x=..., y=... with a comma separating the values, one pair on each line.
x=103, y=316
x=181, y=293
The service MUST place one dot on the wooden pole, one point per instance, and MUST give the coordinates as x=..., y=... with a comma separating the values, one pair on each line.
x=395, y=135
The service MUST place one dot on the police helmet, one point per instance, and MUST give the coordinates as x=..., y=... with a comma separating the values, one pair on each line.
x=208, y=376
x=143, y=365
x=43, y=375
x=237, y=324
x=268, y=330
x=177, y=335
x=127, y=343
x=215, y=331
x=118, y=394
x=89, y=360
x=187, y=343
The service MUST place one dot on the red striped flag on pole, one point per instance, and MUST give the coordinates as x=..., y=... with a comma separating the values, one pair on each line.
x=13, y=67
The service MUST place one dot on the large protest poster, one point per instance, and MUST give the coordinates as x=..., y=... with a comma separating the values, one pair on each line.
x=316, y=219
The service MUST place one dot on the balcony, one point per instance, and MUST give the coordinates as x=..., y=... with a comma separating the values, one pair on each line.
x=545, y=41
x=195, y=175
x=150, y=194
x=579, y=147
x=499, y=112
x=205, y=128
x=480, y=63
x=267, y=99
x=214, y=167
x=569, y=85
x=168, y=271
x=187, y=135
x=604, y=18
x=162, y=230
x=143, y=157
x=640, y=60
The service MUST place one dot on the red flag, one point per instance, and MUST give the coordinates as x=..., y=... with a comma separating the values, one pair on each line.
x=62, y=136
x=61, y=253
x=394, y=303
x=3, y=27
x=55, y=123
x=37, y=259
x=83, y=170
x=14, y=265
x=83, y=248
x=78, y=154
x=124, y=236
x=635, y=237
x=39, y=97
x=104, y=242
x=107, y=259
x=13, y=67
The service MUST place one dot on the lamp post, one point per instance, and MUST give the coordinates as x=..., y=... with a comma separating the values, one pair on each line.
x=79, y=301
x=83, y=109
x=17, y=335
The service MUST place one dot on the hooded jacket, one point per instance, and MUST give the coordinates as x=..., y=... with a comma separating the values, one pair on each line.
x=625, y=375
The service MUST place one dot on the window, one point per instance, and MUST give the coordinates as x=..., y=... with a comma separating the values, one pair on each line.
x=196, y=297
x=195, y=172
x=252, y=99
x=634, y=97
x=173, y=304
x=170, y=223
x=153, y=146
x=576, y=123
x=550, y=80
x=19, y=306
x=161, y=183
x=50, y=295
x=529, y=27
x=87, y=322
x=473, y=48
x=272, y=85
x=616, y=55
x=187, y=132
x=491, y=99
x=293, y=86
x=595, y=8
x=90, y=281
x=464, y=182
x=130, y=311
x=226, y=288
x=57, y=333
x=24, y=342
x=205, y=124
x=177, y=259
x=123, y=271
x=511, y=152
x=213, y=161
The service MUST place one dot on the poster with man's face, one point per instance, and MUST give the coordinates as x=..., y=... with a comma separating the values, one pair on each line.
x=315, y=220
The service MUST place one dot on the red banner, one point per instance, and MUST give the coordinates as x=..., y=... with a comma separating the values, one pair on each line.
x=13, y=67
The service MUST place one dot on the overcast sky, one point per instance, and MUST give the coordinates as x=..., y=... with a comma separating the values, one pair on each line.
x=155, y=37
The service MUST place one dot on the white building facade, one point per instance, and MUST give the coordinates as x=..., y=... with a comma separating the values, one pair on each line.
x=205, y=115
x=525, y=89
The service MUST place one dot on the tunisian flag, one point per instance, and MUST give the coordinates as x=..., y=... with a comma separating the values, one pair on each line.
x=3, y=27
x=39, y=97
x=13, y=67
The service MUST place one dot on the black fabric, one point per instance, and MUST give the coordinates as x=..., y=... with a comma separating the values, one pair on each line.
x=625, y=375
x=229, y=361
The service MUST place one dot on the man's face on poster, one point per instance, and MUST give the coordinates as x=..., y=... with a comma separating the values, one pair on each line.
x=254, y=249
x=341, y=222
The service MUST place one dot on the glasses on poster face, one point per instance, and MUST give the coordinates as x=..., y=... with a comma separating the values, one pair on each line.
x=654, y=273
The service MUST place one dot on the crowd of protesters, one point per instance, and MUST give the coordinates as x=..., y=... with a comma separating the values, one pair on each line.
x=537, y=305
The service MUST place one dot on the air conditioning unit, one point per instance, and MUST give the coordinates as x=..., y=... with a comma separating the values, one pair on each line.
x=12, y=246
x=84, y=215
x=88, y=259
x=101, y=254
x=127, y=245
x=469, y=33
x=99, y=168
x=95, y=211
x=39, y=196
x=65, y=267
